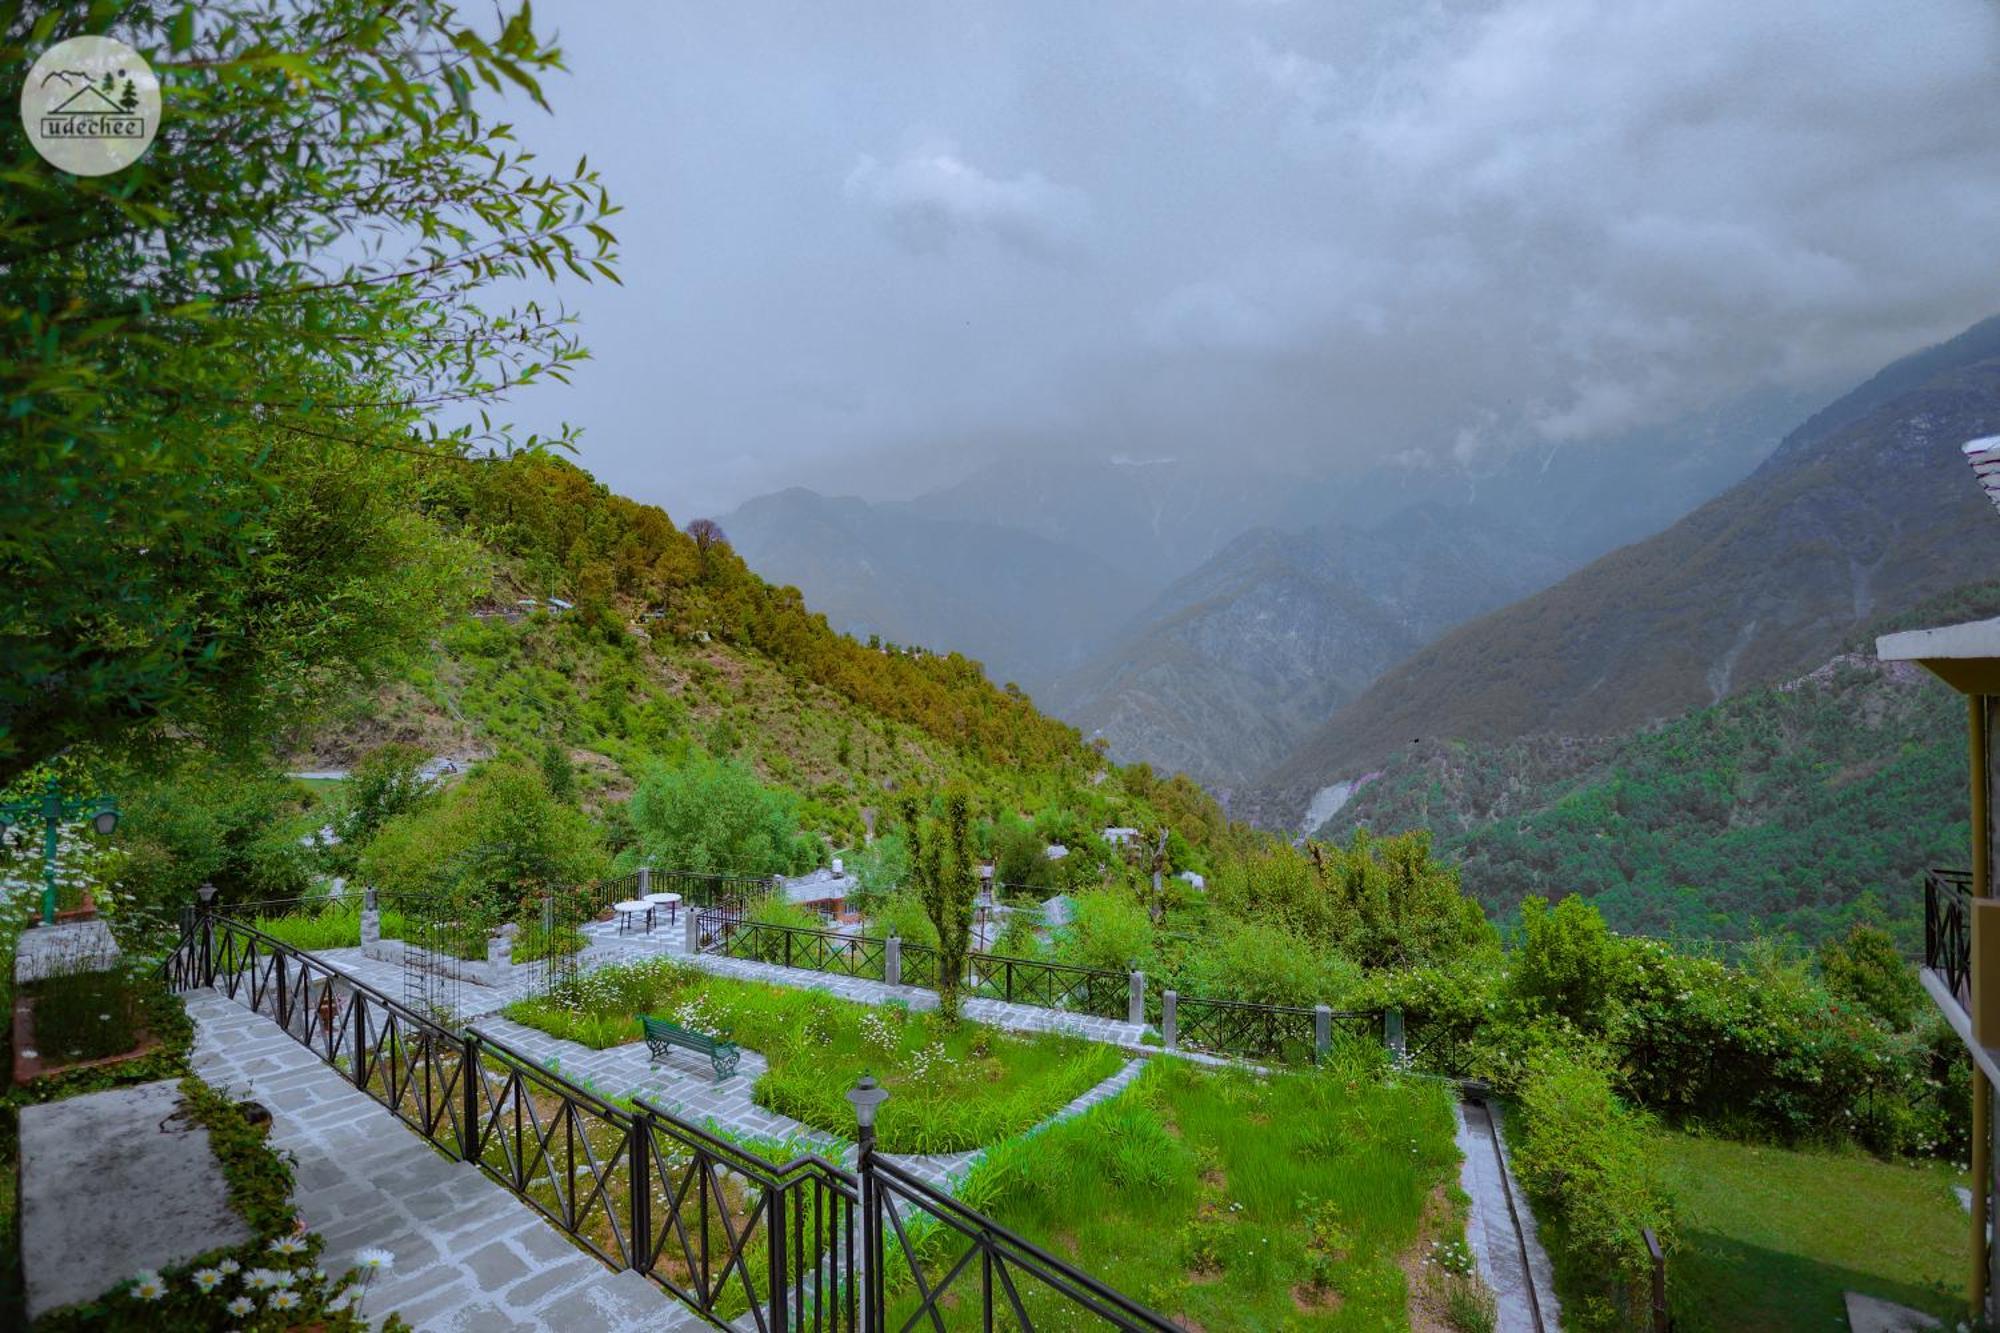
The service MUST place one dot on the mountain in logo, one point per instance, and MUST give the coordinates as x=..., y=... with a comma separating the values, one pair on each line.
x=93, y=100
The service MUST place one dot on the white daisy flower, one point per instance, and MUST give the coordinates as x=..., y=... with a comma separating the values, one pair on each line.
x=229, y=1266
x=283, y=1300
x=148, y=1287
x=207, y=1279
x=374, y=1260
x=288, y=1245
x=241, y=1306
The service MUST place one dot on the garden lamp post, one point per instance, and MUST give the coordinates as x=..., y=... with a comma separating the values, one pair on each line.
x=52, y=808
x=866, y=1097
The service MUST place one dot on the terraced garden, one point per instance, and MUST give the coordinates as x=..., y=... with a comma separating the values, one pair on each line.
x=951, y=1089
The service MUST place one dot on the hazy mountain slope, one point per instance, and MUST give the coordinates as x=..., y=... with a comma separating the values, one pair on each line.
x=1233, y=664
x=1786, y=808
x=1866, y=507
x=1025, y=607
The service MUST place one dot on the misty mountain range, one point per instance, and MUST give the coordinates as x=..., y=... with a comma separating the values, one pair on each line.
x=1207, y=619
x=1274, y=636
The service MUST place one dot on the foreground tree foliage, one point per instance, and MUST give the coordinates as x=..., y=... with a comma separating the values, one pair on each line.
x=218, y=366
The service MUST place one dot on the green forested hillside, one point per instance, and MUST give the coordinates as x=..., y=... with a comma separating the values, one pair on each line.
x=673, y=648
x=1796, y=808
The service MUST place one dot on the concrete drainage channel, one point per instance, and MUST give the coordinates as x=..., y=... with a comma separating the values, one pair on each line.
x=1501, y=1228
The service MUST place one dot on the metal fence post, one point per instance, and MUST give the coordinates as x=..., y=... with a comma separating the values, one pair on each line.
x=694, y=929
x=1322, y=1031
x=1395, y=1036
x=1169, y=1020
x=1660, y=1322
x=642, y=1189
x=774, y=1222
x=468, y=1078
x=1135, y=1006
x=892, y=961
x=645, y=880
x=360, y=1034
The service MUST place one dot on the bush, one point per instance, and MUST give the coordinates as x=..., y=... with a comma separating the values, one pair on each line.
x=1569, y=964
x=901, y=914
x=712, y=815
x=1864, y=967
x=1107, y=930
x=498, y=840
x=1266, y=964
x=1582, y=1156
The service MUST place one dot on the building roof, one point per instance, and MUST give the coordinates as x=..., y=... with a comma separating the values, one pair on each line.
x=1966, y=657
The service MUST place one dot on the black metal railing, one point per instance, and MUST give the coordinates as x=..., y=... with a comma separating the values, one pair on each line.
x=947, y=1266
x=1283, y=1032
x=1948, y=929
x=746, y=1243
x=698, y=889
x=793, y=946
x=1085, y=990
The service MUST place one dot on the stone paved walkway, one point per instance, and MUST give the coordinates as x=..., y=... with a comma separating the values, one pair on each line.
x=470, y=1257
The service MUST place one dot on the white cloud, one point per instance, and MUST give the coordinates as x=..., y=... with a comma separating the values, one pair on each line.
x=931, y=197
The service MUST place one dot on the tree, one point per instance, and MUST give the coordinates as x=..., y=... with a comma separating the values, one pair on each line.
x=1865, y=968
x=386, y=782
x=497, y=842
x=945, y=874
x=713, y=815
x=220, y=366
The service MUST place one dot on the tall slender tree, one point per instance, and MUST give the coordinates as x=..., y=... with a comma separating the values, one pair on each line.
x=945, y=874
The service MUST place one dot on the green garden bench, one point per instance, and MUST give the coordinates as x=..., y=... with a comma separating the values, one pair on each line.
x=662, y=1036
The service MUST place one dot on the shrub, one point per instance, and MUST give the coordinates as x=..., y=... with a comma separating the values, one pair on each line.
x=1582, y=1156
x=712, y=815
x=1266, y=964
x=1108, y=929
x=901, y=914
x=1865, y=968
x=1569, y=964
x=498, y=840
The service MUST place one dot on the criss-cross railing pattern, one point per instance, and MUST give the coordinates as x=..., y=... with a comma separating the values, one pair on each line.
x=1438, y=1045
x=741, y=1240
x=947, y=1266
x=1263, y=1031
x=798, y=946
x=561, y=1148
x=1948, y=930
x=1081, y=990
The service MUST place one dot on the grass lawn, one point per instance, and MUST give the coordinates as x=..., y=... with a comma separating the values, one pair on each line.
x=950, y=1089
x=1771, y=1238
x=1226, y=1200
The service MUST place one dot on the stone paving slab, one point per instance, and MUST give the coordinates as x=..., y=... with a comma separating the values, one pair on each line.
x=470, y=1257
x=59, y=950
x=128, y=1144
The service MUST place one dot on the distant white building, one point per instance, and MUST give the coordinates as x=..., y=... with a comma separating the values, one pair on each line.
x=1119, y=837
x=1055, y=851
x=1058, y=910
x=1190, y=877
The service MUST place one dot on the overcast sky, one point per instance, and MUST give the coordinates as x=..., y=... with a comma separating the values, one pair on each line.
x=866, y=244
